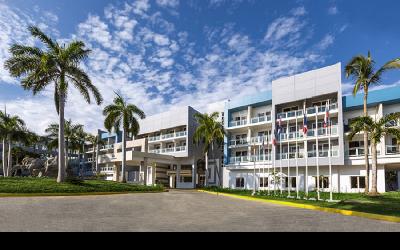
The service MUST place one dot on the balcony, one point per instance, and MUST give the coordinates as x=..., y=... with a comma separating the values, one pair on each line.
x=107, y=147
x=238, y=143
x=359, y=152
x=240, y=123
x=322, y=132
x=392, y=150
x=237, y=160
x=261, y=119
x=168, y=150
x=169, y=136
x=260, y=140
x=309, y=111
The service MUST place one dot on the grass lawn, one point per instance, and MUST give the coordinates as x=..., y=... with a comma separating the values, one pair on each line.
x=45, y=186
x=385, y=204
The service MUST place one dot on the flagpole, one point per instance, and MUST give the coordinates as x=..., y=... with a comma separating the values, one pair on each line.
x=297, y=158
x=274, y=162
x=330, y=153
x=288, y=157
x=254, y=179
x=259, y=168
x=263, y=164
x=317, y=151
x=306, y=151
x=280, y=164
x=270, y=159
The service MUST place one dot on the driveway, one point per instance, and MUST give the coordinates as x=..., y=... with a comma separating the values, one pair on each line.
x=173, y=211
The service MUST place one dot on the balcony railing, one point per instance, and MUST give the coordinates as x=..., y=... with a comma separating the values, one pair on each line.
x=392, y=150
x=259, y=139
x=322, y=132
x=261, y=119
x=359, y=152
x=309, y=111
x=237, y=123
x=238, y=143
x=168, y=136
x=236, y=160
x=168, y=150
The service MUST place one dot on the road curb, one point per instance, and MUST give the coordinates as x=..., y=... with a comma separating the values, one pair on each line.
x=312, y=207
x=38, y=195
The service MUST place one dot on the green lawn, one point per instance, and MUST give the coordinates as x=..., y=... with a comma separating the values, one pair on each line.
x=385, y=204
x=45, y=186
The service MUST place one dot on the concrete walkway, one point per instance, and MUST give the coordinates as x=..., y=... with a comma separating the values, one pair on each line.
x=173, y=211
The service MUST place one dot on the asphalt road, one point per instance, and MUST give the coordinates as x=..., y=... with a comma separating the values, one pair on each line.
x=173, y=211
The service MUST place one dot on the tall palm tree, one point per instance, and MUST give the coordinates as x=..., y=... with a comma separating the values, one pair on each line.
x=362, y=70
x=71, y=133
x=58, y=64
x=11, y=128
x=211, y=133
x=376, y=131
x=118, y=114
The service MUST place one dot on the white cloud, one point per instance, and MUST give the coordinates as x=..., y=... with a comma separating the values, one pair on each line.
x=140, y=53
x=327, y=41
x=333, y=10
x=168, y=3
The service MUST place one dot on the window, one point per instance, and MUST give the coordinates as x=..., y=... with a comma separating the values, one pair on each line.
x=240, y=182
x=263, y=182
x=323, y=182
x=294, y=181
x=186, y=179
x=294, y=108
x=357, y=182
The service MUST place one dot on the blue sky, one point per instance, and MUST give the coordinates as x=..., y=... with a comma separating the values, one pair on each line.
x=167, y=53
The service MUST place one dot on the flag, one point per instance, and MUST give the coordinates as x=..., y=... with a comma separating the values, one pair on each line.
x=279, y=131
x=305, y=125
x=326, y=119
x=274, y=140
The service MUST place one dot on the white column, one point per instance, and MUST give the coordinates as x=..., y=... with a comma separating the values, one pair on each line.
x=194, y=175
x=398, y=180
x=178, y=175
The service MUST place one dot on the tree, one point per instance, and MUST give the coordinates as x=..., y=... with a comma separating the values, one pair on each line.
x=11, y=128
x=72, y=136
x=376, y=131
x=95, y=141
x=362, y=70
x=210, y=133
x=122, y=114
x=58, y=64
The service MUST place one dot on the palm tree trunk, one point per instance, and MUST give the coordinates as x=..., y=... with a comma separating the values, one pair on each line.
x=61, y=140
x=4, y=158
x=9, y=165
x=97, y=158
x=206, y=171
x=374, y=188
x=366, y=146
x=94, y=161
x=123, y=176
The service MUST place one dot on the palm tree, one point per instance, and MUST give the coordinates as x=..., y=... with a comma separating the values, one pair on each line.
x=11, y=128
x=95, y=141
x=118, y=114
x=71, y=135
x=362, y=70
x=211, y=133
x=58, y=64
x=376, y=131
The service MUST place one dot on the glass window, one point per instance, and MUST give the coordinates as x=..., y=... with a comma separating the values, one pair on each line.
x=357, y=182
x=264, y=182
x=240, y=182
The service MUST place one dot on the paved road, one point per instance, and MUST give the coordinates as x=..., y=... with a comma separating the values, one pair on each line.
x=173, y=211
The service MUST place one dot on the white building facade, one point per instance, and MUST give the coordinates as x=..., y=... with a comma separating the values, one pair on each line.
x=255, y=153
x=162, y=153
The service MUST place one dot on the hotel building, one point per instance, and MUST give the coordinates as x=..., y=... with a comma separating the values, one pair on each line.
x=255, y=154
x=162, y=153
